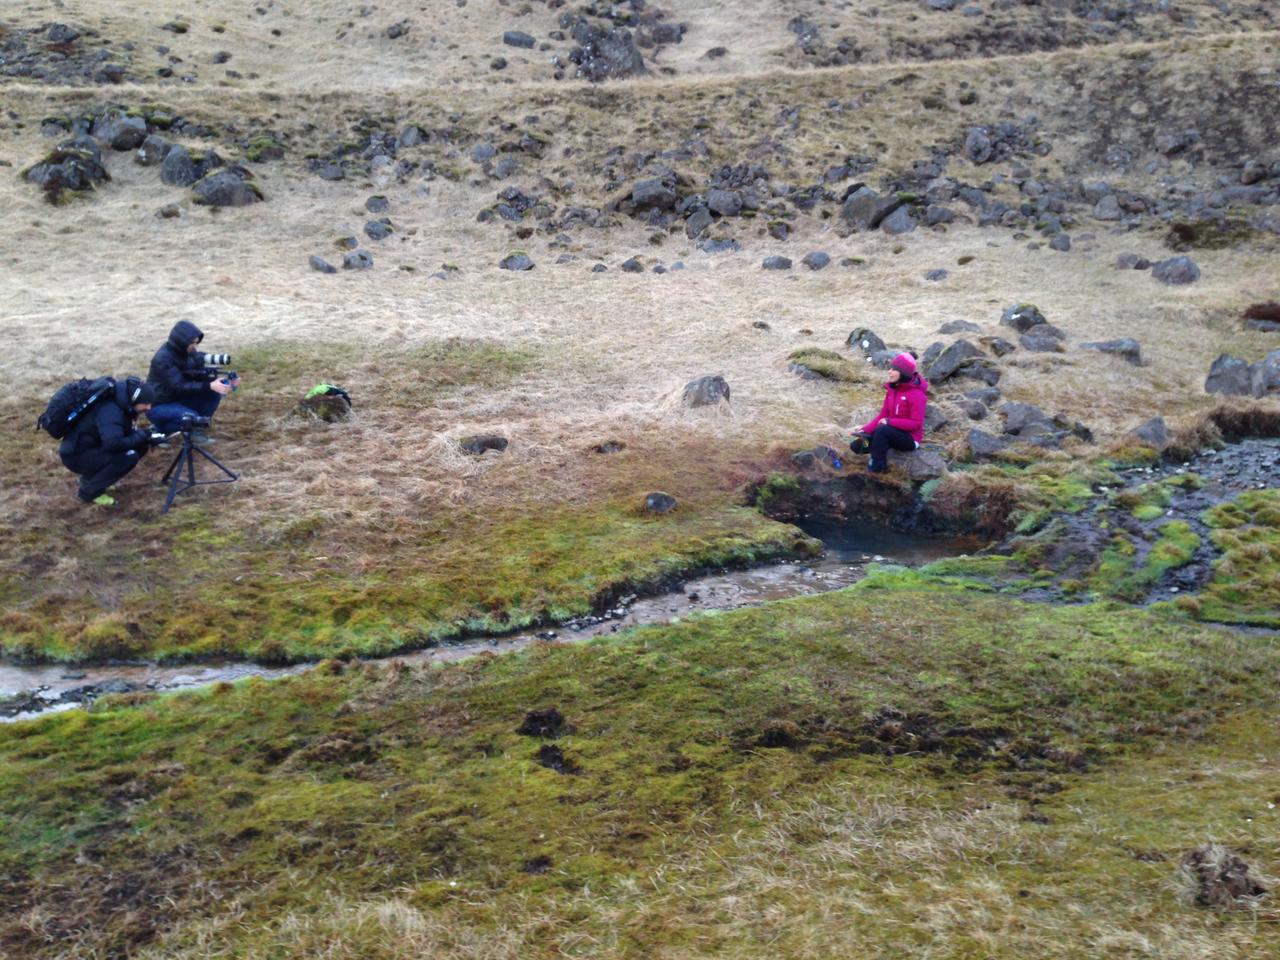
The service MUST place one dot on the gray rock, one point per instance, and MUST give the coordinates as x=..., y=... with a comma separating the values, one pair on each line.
x=412, y=136
x=1126, y=348
x=698, y=223
x=727, y=203
x=998, y=345
x=378, y=229
x=226, y=188
x=936, y=213
x=482, y=152
x=898, y=222
x=705, y=391
x=357, y=260
x=331, y=171
x=1263, y=326
x=987, y=396
x=599, y=268
x=984, y=446
x=973, y=409
x=979, y=368
x=120, y=132
x=1176, y=271
x=1153, y=433
x=152, y=151
x=938, y=275
x=1265, y=375
x=169, y=211
x=1060, y=242
x=1025, y=419
x=518, y=38
x=950, y=360
x=1022, y=317
x=659, y=503
x=1229, y=375
x=719, y=245
x=958, y=326
x=921, y=465
x=653, y=194
x=1132, y=261
x=816, y=260
x=776, y=263
x=483, y=443
x=516, y=261
x=977, y=145
x=178, y=169
x=633, y=266
x=377, y=204
x=1037, y=341
x=321, y=265
x=864, y=209
x=935, y=420
x=865, y=341
x=1108, y=208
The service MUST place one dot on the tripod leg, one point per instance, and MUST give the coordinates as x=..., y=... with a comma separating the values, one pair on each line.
x=176, y=470
x=216, y=462
x=173, y=465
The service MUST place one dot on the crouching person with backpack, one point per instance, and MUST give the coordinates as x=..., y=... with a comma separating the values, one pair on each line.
x=103, y=444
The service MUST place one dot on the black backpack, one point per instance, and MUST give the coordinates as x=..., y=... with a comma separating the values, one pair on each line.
x=71, y=402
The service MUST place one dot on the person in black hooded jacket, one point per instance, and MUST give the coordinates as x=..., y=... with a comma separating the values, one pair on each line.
x=179, y=377
x=105, y=445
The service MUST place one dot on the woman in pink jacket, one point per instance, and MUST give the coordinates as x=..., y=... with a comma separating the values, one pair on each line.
x=900, y=422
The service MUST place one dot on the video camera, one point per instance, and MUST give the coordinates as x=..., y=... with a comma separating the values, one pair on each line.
x=191, y=422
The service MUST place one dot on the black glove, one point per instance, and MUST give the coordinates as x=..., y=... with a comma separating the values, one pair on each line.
x=140, y=440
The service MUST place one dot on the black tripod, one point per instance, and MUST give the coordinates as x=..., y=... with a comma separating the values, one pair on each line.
x=185, y=459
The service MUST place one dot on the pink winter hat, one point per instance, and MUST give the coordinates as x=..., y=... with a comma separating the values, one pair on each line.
x=905, y=364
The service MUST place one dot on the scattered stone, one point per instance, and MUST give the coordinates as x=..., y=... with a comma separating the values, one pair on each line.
x=1263, y=326
x=938, y=275
x=1108, y=208
x=958, y=326
x=516, y=261
x=1229, y=375
x=1176, y=271
x=1060, y=242
x=609, y=446
x=985, y=395
x=321, y=265
x=182, y=169
x=898, y=222
x=599, y=268
x=776, y=263
x=659, y=503
x=482, y=443
x=719, y=245
x=227, y=188
x=816, y=260
x=705, y=391
x=357, y=260
x=1218, y=878
x=998, y=345
x=1126, y=348
x=331, y=171
x=1041, y=341
x=1132, y=261
x=603, y=54
x=633, y=266
x=936, y=214
x=1153, y=433
x=120, y=131
x=1025, y=419
x=727, y=203
x=984, y=446
x=377, y=204
x=973, y=409
x=152, y=151
x=1022, y=317
x=169, y=211
x=518, y=38
x=378, y=229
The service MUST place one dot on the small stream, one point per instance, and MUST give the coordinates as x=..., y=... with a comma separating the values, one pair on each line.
x=30, y=691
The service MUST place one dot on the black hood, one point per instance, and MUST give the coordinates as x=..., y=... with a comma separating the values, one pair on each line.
x=184, y=334
x=129, y=388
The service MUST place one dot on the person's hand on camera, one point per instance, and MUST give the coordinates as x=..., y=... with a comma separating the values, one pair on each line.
x=217, y=386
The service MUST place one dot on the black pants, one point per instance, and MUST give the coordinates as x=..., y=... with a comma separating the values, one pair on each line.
x=99, y=469
x=885, y=437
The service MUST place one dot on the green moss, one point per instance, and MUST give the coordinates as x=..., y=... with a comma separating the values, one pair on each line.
x=1245, y=587
x=681, y=744
x=264, y=148
x=827, y=364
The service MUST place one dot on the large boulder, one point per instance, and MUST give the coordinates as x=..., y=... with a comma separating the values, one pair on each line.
x=706, y=391
x=983, y=446
x=653, y=194
x=605, y=55
x=74, y=167
x=1153, y=433
x=1176, y=271
x=119, y=131
x=921, y=464
x=950, y=360
x=864, y=209
x=1229, y=375
x=898, y=222
x=1025, y=420
x=1126, y=348
x=182, y=168
x=866, y=342
x=727, y=203
x=1265, y=375
x=227, y=188
x=516, y=261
